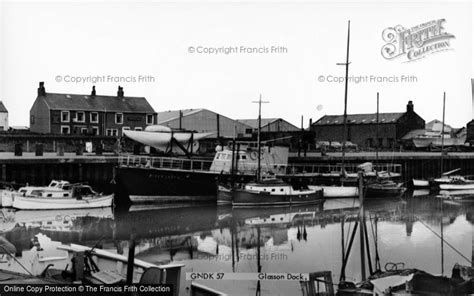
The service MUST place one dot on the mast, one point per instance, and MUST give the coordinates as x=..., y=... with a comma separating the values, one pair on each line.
x=442, y=133
x=377, y=135
x=344, y=121
x=260, y=102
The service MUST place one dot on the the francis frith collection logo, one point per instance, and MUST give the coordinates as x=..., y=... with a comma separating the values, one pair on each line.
x=410, y=44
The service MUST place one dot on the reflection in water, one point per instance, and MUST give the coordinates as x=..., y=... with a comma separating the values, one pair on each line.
x=291, y=239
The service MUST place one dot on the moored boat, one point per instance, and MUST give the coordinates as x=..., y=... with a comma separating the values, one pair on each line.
x=383, y=188
x=337, y=191
x=274, y=193
x=55, y=187
x=81, y=197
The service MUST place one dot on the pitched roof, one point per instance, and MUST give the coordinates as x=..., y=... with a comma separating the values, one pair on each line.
x=436, y=124
x=2, y=107
x=166, y=116
x=97, y=103
x=359, y=118
x=254, y=122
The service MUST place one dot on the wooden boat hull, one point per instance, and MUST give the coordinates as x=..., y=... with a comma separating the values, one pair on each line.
x=244, y=198
x=40, y=203
x=376, y=191
x=224, y=195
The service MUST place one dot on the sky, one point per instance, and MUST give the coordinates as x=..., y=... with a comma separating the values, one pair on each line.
x=223, y=55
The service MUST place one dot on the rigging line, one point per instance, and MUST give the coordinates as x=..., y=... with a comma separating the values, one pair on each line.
x=16, y=260
x=447, y=243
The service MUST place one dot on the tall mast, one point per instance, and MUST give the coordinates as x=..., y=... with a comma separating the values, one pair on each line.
x=344, y=121
x=260, y=102
x=377, y=134
x=442, y=134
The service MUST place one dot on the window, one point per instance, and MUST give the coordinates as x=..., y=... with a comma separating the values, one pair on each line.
x=84, y=130
x=65, y=129
x=95, y=130
x=32, y=119
x=125, y=128
x=118, y=118
x=111, y=132
x=149, y=119
x=80, y=116
x=248, y=130
x=138, y=128
x=64, y=116
x=94, y=117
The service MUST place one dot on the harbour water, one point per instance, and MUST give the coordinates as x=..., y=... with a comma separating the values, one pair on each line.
x=406, y=231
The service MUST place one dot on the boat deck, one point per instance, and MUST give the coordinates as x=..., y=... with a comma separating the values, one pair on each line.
x=204, y=166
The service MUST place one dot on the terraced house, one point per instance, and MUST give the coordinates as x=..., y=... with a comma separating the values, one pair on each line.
x=55, y=113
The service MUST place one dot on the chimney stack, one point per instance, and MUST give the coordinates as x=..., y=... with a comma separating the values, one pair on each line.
x=93, y=91
x=120, y=92
x=310, y=122
x=410, y=106
x=41, y=89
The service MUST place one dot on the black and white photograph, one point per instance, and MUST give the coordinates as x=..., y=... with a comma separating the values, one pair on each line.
x=236, y=147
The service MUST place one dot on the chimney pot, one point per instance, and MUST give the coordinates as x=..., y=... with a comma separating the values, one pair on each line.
x=93, y=91
x=120, y=92
x=41, y=89
x=410, y=106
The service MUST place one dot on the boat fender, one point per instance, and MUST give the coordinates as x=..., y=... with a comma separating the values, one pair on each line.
x=253, y=155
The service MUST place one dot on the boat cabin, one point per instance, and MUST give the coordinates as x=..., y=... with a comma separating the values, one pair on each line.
x=273, y=160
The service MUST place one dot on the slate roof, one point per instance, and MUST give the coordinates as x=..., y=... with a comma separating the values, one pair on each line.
x=254, y=122
x=359, y=118
x=166, y=116
x=2, y=107
x=57, y=101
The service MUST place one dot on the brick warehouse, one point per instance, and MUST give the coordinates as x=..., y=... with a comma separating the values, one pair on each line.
x=362, y=128
x=54, y=113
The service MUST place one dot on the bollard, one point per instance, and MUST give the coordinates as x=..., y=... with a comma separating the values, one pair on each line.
x=39, y=149
x=60, y=151
x=18, y=149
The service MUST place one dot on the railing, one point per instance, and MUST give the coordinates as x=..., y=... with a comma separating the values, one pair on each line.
x=174, y=163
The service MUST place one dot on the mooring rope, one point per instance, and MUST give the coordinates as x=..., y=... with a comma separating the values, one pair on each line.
x=444, y=241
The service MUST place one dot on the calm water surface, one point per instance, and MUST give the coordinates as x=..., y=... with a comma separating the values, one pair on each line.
x=298, y=239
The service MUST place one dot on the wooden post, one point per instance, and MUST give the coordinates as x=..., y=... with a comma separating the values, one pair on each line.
x=131, y=258
x=4, y=172
x=78, y=266
x=361, y=219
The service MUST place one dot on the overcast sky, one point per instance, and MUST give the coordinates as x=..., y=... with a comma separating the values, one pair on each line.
x=55, y=42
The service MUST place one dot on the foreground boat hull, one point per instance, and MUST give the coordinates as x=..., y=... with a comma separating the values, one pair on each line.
x=37, y=203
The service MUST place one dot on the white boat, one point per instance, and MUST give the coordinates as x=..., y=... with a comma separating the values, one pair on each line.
x=457, y=186
x=8, y=196
x=421, y=183
x=111, y=268
x=82, y=197
x=160, y=137
x=337, y=191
